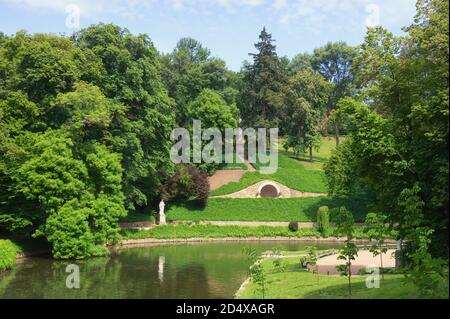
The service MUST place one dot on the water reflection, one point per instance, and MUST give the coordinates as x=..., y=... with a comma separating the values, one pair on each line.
x=174, y=271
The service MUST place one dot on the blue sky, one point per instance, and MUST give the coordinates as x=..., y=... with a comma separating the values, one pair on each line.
x=228, y=27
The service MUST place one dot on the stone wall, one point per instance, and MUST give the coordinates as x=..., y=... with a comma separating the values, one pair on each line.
x=253, y=191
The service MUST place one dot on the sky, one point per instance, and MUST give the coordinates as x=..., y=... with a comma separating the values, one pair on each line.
x=229, y=28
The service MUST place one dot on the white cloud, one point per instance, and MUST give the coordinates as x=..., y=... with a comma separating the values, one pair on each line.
x=341, y=15
x=327, y=13
x=87, y=8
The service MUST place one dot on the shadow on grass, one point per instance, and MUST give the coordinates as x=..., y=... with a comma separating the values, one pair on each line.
x=394, y=288
x=306, y=207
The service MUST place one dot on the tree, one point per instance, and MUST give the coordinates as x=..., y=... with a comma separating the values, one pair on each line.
x=263, y=79
x=323, y=220
x=376, y=229
x=188, y=182
x=210, y=108
x=398, y=128
x=190, y=69
x=77, y=198
x=311, y=260
x=345, y=226
x=256, y=271
x=334, y=63
x=130, y=75
x=304, y=97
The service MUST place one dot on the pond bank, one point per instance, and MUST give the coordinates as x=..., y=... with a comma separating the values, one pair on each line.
x=143, y=241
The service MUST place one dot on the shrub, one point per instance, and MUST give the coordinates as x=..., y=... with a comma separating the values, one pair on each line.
x=187, y=182
x=323, y=221
x=8, y=253
x=293, y=226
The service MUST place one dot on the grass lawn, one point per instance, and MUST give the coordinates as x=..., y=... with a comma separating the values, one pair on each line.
x=295, y=283
x=235, y=165
x=260, y=209
x=212, y=231
x=320, y=156
x=290, y=173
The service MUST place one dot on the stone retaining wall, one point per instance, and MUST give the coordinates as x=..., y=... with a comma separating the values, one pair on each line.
x=253, y=191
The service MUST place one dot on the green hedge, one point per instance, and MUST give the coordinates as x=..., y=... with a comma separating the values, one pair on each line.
x=8, y=251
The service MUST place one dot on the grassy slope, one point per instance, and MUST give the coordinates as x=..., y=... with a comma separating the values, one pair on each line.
x=290, y=173
x=297, y=283
x=260, y=209
x=320, y=156
x=212, y=231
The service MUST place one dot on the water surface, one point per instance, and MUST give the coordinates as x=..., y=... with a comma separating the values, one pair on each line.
x=200, y=270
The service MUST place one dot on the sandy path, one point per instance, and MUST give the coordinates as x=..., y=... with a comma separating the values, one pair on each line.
x=223, y=177
x=327, y=265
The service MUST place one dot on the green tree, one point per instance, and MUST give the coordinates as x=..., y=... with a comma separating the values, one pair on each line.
x=210, y=108
x=323, y=220
x=304, y=97
x=398, y=128
x=312, y=259
x=130, y=75
x=334, y=62
x=256, y=271
x=264, y=79
x=377, y=229
x=345, y=226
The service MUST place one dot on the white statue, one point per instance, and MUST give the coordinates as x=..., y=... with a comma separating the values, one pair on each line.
x=162, y=216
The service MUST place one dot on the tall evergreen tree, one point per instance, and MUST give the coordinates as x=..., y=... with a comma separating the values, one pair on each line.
x=264, y=80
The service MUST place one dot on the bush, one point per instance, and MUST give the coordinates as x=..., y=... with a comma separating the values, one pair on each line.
x=8, y=253
x=187, y=182
x=293, y=226
x=323, y=220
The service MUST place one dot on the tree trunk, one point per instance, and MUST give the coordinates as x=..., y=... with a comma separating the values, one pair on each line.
x=349, y=277
x=310, y=153
x=381, y=268
x=336, y=134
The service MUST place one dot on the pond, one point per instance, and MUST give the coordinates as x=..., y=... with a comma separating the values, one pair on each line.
x=200, y=270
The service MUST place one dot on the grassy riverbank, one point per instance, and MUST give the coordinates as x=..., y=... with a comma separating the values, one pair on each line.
x=295, y=283
x=212, y=231
x=8, y=252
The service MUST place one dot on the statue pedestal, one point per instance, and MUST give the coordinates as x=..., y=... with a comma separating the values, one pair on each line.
x=162, y=219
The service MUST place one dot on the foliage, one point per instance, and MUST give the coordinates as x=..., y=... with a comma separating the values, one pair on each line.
x=334, y=62
x=188, y=182
x=429, y=274
x=311, y=259
x=210, y=108
x=213, y=231
x=189, y=70
x=256, y=271
x=293, y=226
x=263, y=81
x=377, y=230
x=323, y=220
x=305, y=98
x=345, y=226
x=8, y=251
x=278, y=262
x=398, y=127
